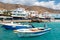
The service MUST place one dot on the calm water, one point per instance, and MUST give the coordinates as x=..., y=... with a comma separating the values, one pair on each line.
x=54, y=34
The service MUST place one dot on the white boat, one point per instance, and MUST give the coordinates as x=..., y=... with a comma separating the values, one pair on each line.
x=31, y=31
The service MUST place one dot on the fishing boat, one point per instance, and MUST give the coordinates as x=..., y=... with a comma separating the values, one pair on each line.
x=31, y=32
x=14, y=26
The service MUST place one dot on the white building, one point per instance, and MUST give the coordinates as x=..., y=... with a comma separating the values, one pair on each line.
x=49, y=15
x=55, y=15
x=33, y=13
x=43, y=15
x=19, y=12
x=1, y=12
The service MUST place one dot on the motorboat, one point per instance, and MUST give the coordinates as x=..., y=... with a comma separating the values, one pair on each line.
x=14, y=26
x=30, y=32
x=34, y=31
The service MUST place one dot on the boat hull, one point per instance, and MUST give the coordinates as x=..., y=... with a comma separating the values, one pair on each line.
x=14, y=28
x=8, y=27
x=20, y=34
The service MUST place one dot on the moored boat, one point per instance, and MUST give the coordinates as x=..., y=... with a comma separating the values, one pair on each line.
x=31, y=32
x=14, y=26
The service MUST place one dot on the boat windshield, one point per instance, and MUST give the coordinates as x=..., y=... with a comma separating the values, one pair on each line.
x=31, y=25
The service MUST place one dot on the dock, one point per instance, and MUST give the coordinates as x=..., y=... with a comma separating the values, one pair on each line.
x=4, y=21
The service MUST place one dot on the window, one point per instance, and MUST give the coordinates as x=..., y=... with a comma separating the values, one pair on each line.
x=14, y=11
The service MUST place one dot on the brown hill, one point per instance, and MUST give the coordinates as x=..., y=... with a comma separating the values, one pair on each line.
x=40, y=9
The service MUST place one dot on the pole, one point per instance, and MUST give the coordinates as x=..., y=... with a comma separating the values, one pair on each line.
x=45, y=24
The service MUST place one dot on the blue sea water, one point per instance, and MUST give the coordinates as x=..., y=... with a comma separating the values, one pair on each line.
x=54, y=34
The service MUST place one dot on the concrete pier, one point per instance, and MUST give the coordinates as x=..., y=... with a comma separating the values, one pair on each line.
x=4, y=21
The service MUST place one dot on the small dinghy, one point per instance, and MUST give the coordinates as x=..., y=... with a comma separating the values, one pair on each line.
x=31, y=32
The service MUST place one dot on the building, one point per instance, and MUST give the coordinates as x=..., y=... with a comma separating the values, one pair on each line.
x=49, y=15
x=33, y=13
x=2, y=12
x=19, y=13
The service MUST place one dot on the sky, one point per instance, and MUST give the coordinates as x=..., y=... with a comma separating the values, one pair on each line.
x=54, y=4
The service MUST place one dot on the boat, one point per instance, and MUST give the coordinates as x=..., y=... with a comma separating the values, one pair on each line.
x=14, y=26
x=31, y=32
x=26, y=30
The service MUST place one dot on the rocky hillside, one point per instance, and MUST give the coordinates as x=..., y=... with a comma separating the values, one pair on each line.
x=40, y=9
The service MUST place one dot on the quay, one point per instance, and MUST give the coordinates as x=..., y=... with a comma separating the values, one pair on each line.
x=8, y=21
x=14, y=21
